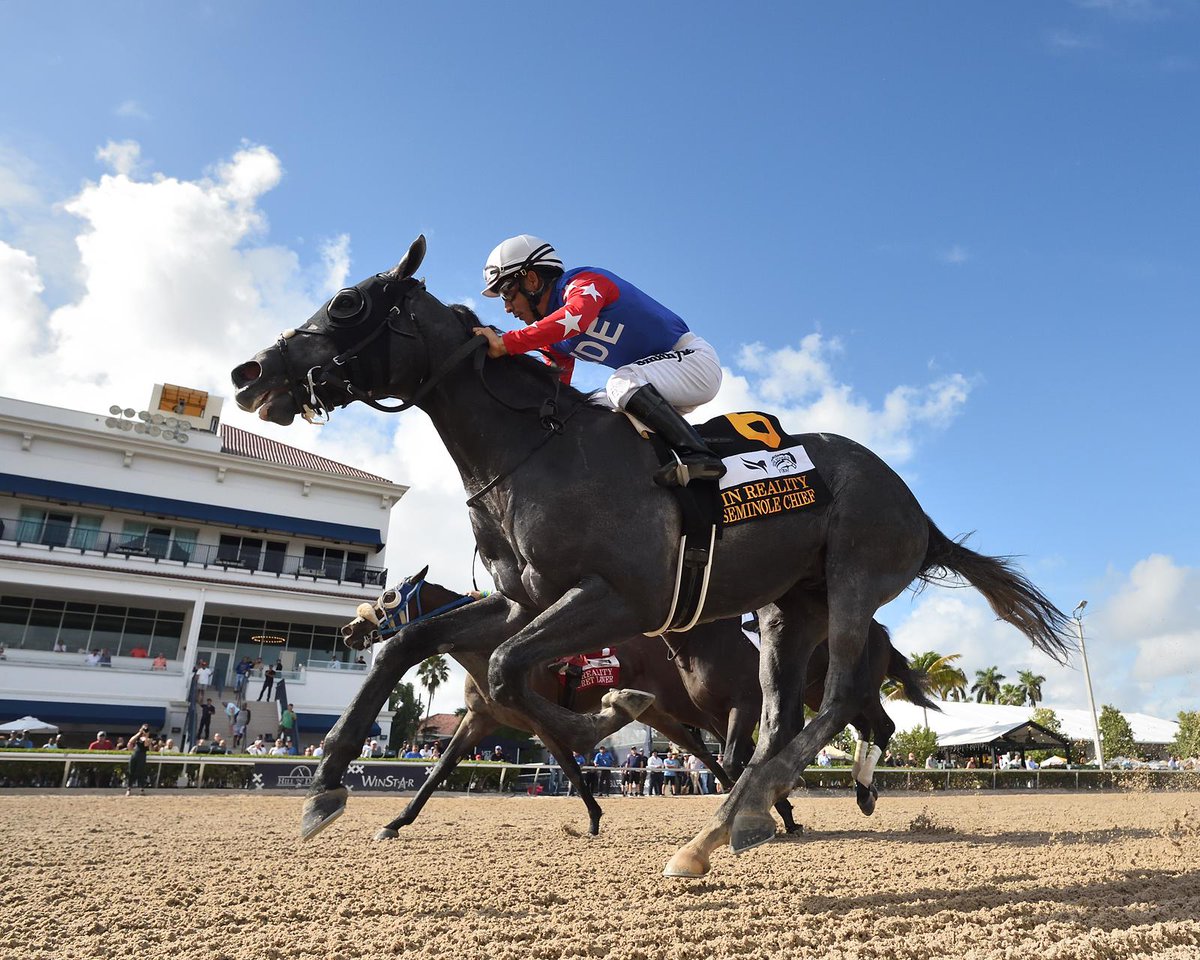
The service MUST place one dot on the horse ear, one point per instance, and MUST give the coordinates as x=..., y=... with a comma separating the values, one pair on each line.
x=411, y=261
x=421, y=576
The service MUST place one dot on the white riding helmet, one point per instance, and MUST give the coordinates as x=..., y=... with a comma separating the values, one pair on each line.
x=513, y=257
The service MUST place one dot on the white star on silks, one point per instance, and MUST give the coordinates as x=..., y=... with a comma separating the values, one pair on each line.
x=591, y=291
x=570, y=323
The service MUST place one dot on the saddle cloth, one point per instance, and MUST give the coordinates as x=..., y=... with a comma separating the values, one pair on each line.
x=599, y=669
x=767, y=471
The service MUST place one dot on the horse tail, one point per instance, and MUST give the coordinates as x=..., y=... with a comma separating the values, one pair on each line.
x=915, y=686
x=1009, y=593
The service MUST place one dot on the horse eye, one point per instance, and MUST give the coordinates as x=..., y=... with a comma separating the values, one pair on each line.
x=346, y=304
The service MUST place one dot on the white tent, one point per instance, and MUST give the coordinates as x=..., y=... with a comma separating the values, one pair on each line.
x=28, y=725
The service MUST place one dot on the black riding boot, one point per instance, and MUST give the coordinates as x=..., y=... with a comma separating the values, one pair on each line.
x=696, y=461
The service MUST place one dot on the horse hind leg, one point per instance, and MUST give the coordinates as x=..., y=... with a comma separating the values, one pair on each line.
x=790, y=629
x=474, y=727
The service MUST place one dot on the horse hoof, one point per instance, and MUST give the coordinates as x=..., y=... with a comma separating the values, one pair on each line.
x=632, y=703
x=594, y=829
x=320, y=810
x=750, y=830
x=794, y=828
x=687, y=865
x=387, y=833
x=866, y=797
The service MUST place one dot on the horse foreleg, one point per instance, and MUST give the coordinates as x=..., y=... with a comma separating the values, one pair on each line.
x=484, y=623
x=583, y=619
x=474, y=727
x=566, y=760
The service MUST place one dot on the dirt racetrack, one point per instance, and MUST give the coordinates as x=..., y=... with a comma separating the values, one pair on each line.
x=218, y=875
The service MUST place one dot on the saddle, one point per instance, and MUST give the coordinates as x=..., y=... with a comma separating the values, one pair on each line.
x=767, y=472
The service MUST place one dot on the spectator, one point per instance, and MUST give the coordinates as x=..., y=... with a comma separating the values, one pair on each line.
x=258, y=748
x=201, y=746
x=287, y=723
x=231, y=710
x=92, y=659
x=605, y=760
x=366, y=749
x=241, y=676
x=169, y=747
x=279, y=750
x=204, y=676
x=101, y=742
x=697, y=772
x=206, y=714
x=160, y=662
x=630, y=778
x=59, y=646
x=140, y=652
x=335, y=664
x=823, y=759
x=105, y=658
x=218, y=745
x=139, y=746
x=54, y=743
x=360, y=661
x=268, y=684
x=241, y=723
x=319, y=749
x=498, y=755
x=931, y=762
x=654, y=766
x=671, y=767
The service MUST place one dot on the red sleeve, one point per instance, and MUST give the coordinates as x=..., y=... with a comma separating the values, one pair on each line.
x=584, y=297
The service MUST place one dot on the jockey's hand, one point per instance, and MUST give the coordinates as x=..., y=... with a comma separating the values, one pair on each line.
x=496, y=346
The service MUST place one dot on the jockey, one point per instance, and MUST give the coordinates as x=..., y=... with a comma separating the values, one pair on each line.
x=661, y=368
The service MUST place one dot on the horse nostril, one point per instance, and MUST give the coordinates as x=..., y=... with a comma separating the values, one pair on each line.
x=246, y=374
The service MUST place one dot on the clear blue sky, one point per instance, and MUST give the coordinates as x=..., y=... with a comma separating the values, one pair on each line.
x=987, y=213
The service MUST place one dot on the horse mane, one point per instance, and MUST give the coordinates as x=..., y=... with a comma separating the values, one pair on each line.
x=545, y=372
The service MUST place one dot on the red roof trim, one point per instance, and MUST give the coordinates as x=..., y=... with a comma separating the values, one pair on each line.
x=243, y=443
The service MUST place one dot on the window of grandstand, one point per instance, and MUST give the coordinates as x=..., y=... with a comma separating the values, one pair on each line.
x=175, y=543
x=58, y=528
x=38, y=624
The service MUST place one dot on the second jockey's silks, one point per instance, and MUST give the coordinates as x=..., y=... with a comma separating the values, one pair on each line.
x=596, y=316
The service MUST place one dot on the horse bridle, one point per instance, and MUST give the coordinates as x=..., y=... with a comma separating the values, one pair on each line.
x=304, y=389
x=351, y=306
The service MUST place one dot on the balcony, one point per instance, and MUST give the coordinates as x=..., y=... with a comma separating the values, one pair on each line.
x=57, y=536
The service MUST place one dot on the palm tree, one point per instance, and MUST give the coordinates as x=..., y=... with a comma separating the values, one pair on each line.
x=938, y=672
x=1012, y=695
x=1031, y=686
x=957, y=690
x=987, y=685
x=433, y=672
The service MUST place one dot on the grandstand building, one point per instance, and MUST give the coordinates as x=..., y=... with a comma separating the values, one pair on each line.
x=163, y=540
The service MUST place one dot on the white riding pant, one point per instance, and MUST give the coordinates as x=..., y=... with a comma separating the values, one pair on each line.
x=687, y=376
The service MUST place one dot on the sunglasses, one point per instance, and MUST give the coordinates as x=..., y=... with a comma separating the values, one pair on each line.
x=509, y=290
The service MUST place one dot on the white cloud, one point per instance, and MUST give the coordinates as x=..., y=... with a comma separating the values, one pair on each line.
x=955, y=255
x=21, y=312
x=120, y=155
x=799, y=385
x=131, y=108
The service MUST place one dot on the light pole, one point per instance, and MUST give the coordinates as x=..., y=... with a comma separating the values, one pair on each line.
x=1077, y=613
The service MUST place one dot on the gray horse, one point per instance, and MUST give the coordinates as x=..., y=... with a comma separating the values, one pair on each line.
x=582, y=544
